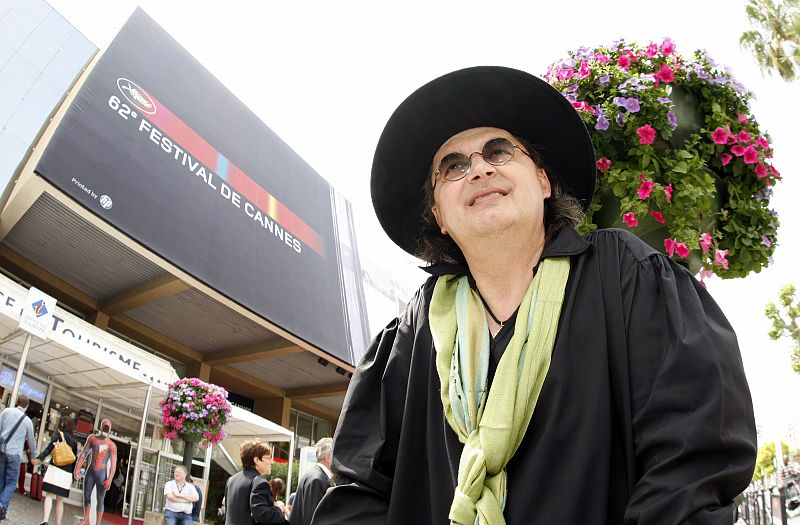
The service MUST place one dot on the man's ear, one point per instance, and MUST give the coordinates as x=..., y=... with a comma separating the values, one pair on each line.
x=544, y=181
x=438, y=217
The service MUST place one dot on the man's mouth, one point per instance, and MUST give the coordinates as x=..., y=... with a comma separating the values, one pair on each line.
x=485, y=195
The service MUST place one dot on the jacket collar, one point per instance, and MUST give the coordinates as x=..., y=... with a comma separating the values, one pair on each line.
x=565, y=243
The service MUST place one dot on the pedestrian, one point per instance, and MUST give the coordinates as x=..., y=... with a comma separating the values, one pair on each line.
x=313, y=485
x=66, y=426
x=248, y=500
x=197, y=506
x=180, y=495
x=539, y=375
x=15, y=429
x=278, y=489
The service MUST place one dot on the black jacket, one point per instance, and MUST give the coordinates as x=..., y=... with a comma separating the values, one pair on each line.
x=645, y=416
x=310, y=490
x=248, y=500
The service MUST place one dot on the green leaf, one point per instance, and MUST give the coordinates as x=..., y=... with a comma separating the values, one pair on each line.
x=685, y=154
x=645, y=161
x=681, y=167
x=619, y=189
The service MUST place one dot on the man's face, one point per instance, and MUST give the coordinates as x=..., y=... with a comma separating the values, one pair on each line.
x=263, y=464
x=490, y=198
x=180, y=475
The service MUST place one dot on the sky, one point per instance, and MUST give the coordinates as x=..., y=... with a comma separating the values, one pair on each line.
x=325, y=76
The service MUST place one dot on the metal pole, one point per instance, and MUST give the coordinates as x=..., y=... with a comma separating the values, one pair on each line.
x=22, y=360
x=139, y=455
x=289, y=470
x=206, y=472
x=45, y=415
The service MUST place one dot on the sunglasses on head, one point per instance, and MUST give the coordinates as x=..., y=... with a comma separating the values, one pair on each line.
x=455, y=166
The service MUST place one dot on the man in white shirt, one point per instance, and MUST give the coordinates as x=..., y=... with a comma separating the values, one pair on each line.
x=180, y=495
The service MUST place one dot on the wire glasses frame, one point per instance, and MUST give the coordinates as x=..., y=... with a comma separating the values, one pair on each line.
x=496, y=151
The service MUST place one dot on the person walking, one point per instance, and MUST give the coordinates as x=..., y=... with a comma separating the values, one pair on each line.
x=313, y=485
x=15, y=429
x=66, y=426
x=248, y=500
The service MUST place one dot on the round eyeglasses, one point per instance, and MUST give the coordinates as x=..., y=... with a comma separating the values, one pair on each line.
x=455, y=166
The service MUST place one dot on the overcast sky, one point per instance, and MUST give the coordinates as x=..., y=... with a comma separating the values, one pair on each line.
x=325, y=76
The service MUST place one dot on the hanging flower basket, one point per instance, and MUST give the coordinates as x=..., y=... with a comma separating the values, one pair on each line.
x=195, y=411
x=681, y=161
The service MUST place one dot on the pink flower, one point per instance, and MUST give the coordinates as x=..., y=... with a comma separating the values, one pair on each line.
x=584, y=106
x=624, y=61
x=652, y=50
x=744, y=136
x=681, y=249
x=669, y=246
x=658, y=216
x=564, y=73
x=646, y=134
x=665, y=74
x=725, y=158
x=704, y=274
x=584, y=71
x=761, y=171
x=668, y=192
x=668, y=46
x=602, y=57
x=645, y=189
x=603, y=164
x=738, y=150
x=721, y=258
x=705, y=241
x=742, y=118
x=762, y=142
x=750, y=155
x=719, y=136
x=630, y=219
x=775, y=172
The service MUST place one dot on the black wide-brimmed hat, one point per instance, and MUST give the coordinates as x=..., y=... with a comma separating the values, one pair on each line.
x=485, y=96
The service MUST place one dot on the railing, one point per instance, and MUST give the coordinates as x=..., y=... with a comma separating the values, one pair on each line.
x=764, y=506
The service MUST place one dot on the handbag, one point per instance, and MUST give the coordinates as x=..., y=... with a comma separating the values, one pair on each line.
x=4, y=441
x=57, y=477
x=62, y=453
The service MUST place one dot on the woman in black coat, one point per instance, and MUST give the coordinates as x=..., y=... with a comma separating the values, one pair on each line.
x=66, y=426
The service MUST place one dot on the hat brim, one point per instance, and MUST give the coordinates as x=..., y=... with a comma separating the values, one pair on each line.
x=485, y=96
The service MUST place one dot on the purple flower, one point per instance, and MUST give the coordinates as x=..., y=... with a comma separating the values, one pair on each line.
x=619, y=101
x=620, y=119
x=664, y=100
x=602, y=81
x=765, y=240
x=602, y=122
x=572, y=97
x=632, y=104
x=673, y=122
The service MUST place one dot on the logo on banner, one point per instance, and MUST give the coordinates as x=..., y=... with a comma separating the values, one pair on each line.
x=105, y=202
x=39, y=308
x=136, y=96
x=37, y=318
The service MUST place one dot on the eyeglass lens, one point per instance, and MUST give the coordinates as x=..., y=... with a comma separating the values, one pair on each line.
x=496, y=151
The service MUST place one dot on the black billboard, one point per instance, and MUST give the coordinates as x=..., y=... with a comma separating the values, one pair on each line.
x=158, y=147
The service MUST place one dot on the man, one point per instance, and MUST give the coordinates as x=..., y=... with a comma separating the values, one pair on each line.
x=538, y=376
x=99, y=472
x=15, y=429
x=180, y=495
x=313, y=485
x=248, y=499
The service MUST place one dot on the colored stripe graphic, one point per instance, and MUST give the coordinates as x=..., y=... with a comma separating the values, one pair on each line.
x=200, y=150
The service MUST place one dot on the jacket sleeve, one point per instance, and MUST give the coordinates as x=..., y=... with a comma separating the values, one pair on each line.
x=368, y=433
x=262, y=509
x=691, y=415
x=55, y=438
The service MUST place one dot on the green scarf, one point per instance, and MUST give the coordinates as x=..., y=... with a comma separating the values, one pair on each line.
x=492, y=425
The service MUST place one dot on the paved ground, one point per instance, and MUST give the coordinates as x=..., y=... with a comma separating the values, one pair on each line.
x=26, y=511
